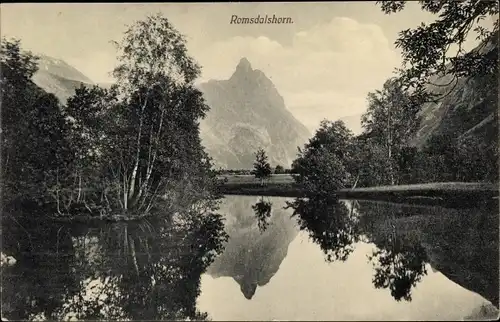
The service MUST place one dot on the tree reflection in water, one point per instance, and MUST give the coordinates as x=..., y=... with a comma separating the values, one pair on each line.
x=399, y=268
x=399, y=260
x=262, y=210
x=41, y=279
x=149, y=270
x=460, y=242
x=329, y=223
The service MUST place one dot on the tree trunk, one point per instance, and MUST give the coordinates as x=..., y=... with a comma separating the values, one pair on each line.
x=132, y=185
x=389, y=145
x=133, y=255
x=79, y=187
x=355, y=182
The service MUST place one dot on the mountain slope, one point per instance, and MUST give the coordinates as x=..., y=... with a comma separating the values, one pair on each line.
x=467, y=110
x=59, y=78
x=248, y=113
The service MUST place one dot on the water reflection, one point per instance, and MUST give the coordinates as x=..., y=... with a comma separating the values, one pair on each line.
x=399, y=260
x=329, y=223
x=405, y=261
x=41, y=279
x=149, y=270
x=460, y=243
x=262, y=210
x=262, y=258
x=253, y=255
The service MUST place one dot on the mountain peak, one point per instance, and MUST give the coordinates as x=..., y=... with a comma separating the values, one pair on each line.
x=244, y=65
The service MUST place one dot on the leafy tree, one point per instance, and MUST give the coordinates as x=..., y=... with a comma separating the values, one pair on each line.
x=140, y=139
x=413, y=165
x=91, y=121
x=322, y=166
x=279, y=169
x=433, y=50
x=158, y=134
x=429, y=49
x=110, y=151
x=36, y=151
x=391, y=120
x=369, y=164
x=262, y=168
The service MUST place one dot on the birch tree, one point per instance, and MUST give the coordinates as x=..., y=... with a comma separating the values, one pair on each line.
x=156, y=141
x=391, y=120
x=143, y=134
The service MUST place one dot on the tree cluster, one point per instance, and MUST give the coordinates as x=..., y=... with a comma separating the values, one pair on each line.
x=464, y=148
x=129, y=149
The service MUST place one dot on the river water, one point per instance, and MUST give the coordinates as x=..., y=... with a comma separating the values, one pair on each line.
x=352, y=260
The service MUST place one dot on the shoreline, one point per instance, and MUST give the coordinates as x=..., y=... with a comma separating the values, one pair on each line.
x=444, y=194
x=463, y=194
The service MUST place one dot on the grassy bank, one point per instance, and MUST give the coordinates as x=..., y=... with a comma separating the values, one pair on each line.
x=462, y=193
x=281, y=185
x=465, y=194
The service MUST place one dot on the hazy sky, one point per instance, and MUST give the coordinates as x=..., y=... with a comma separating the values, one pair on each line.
x=323, y=64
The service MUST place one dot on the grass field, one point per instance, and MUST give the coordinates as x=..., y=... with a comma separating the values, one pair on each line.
x=284, y=185
x=249, y=179
x=277, y=185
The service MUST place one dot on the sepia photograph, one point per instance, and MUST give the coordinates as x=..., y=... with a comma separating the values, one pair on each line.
x=258, y=161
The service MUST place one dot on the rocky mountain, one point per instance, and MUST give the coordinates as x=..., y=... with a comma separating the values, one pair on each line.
x=467, y=110
x=248, y=113
x=59, y=78
x=251, y=256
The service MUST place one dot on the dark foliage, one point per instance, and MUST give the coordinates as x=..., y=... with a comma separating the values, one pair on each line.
x=322, y=166
x=124, y=151
x=149, y=270
x=262, y=211
x=329, y=224
x=262, y=169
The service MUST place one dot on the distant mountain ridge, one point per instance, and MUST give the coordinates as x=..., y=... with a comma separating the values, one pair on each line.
x=246, y=113
x=58, y=77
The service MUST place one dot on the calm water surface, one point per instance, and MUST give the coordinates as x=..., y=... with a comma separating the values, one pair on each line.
x=315, y=260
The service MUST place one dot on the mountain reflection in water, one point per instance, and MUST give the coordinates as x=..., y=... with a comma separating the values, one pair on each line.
x=253, y=254
x=355, y=260
x=310, y=260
